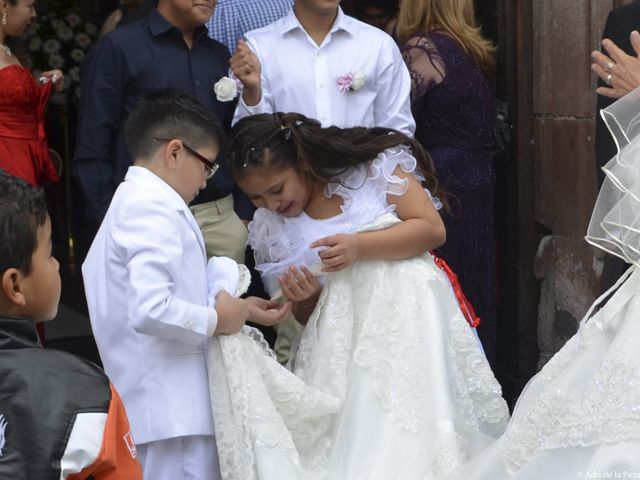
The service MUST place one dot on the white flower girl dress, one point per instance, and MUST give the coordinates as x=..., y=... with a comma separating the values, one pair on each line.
x=389, y=381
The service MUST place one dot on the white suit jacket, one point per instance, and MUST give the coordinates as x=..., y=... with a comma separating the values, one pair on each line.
x=146, y=285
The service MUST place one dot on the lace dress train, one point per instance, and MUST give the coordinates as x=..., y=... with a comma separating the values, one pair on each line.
x=389, y=382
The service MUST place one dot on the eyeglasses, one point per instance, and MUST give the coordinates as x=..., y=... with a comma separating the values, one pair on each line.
x=210, y=167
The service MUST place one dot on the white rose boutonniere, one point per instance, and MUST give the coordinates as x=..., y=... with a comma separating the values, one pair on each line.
x=225, y=89
x=351, y=81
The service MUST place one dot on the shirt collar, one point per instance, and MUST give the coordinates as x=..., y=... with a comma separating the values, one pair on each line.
x=342, y=22
x=149, y=180
x=159, y=25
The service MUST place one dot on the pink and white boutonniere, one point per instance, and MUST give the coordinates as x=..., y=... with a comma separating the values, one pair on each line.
x=351, y=81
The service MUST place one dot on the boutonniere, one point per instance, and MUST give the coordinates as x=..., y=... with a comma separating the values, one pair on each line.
x=226, y=89
x=351, y=81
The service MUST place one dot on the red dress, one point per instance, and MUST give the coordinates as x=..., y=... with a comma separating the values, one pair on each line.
x=23, y=142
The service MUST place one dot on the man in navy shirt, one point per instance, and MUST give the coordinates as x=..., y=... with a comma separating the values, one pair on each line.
x=168, y=48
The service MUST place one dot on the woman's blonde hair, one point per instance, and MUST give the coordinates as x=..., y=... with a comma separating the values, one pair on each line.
x=456, y=18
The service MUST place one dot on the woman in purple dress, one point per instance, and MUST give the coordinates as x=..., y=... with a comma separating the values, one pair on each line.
x=453, y=101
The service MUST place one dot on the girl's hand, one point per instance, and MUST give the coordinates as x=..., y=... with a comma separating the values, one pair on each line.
x=299, y=284
x=56, y=77
x=267, y=312
x=342, y=251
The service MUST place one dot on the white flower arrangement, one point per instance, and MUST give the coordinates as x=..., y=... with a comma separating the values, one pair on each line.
x=56, y=61
x=83, y=40
x=35, y=44
x=73, y=20
x=64, y=33
x=60, y=40
x=77, y=55
x=51, y=46
x=74, y=74
x=56, y=23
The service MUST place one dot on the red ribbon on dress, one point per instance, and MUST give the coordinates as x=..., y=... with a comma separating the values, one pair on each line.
x=465, y=305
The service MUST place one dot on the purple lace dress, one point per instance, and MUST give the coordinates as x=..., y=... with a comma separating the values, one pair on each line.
x=453, y=104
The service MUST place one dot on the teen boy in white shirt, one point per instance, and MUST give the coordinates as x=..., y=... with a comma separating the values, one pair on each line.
x=326, y=65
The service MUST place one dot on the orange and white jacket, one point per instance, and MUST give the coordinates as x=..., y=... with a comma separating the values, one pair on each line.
x=60, y=417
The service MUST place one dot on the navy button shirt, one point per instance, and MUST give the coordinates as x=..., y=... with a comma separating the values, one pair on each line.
x=120, y=69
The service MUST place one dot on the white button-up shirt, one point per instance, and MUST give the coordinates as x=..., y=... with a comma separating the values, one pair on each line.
x=300, y=76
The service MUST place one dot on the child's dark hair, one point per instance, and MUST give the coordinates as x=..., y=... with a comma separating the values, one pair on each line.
x=170, y=113
x=282, y=140
x=23, y=209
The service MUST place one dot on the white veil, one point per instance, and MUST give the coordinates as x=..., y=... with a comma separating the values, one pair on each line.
x=615, y=221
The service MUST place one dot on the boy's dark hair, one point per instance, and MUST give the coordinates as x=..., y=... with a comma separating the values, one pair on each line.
x=23, y=209
x=170, y=113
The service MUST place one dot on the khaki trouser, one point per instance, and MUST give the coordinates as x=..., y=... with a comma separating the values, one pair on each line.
x=225, y=235
x=288, y=331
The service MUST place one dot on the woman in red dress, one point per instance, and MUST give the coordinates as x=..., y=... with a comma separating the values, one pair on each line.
x=23, y=144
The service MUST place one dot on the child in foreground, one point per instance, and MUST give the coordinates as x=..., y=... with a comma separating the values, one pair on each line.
x=147, y=288
x=60, y=417
x=389, y=380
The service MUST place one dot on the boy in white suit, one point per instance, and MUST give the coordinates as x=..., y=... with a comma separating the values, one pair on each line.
x=146, y=286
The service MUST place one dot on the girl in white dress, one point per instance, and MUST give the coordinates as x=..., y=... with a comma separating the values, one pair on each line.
x=579, y=417
x=389, y=380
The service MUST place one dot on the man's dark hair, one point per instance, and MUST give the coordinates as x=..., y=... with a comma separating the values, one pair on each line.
x=23, y=209
x=170, y=113
x=390, y=6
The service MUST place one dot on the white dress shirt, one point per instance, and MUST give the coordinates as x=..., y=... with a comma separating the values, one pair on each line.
x=300, y=76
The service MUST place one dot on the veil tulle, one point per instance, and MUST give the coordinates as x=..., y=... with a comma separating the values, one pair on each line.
x=615, y=221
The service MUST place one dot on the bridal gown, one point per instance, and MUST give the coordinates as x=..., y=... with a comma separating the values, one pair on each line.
x=579, y=417
x=389, y=380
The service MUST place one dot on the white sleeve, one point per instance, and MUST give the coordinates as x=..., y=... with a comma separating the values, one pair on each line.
x=154, y=267
x=84, y=443
x=265, y=105
x=392, y=106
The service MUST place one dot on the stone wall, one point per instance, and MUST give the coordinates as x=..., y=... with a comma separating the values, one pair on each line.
x=564, y=34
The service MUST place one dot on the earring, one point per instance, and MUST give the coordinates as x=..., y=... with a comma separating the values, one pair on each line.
x=4, y=18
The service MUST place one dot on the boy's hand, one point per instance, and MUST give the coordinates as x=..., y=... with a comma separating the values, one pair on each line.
x=246, y=67
x=299, y=284
x=342, y=251
x=267, y=312
x=232, y=313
